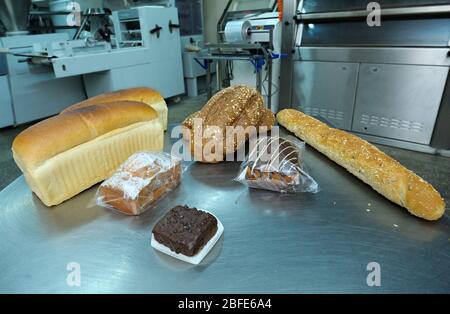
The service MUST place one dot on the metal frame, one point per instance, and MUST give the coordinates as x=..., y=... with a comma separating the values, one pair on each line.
x=440, y=138
x=233, y=51
x=214, y=52
x=220, y=26
x=287, y=49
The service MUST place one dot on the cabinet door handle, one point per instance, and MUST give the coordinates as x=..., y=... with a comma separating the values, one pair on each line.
x=172, y=26
x=157, y=29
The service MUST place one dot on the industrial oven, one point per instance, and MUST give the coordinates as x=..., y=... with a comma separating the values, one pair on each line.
x=388, y=83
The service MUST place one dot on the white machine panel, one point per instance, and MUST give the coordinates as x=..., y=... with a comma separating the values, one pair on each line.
x=39, y=96
x=35, y=91
x=142, y=75
x=148, y=59
x=168, y=44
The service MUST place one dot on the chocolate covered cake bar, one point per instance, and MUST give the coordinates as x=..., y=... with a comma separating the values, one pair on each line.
x=185, y=230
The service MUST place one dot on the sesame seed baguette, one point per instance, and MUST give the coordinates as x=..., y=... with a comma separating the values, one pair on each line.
x=384, y=174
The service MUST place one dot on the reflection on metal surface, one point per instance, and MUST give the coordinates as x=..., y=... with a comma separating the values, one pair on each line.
x=273, y=242
x=327, y=90
x=398, y=33
x=408, y=111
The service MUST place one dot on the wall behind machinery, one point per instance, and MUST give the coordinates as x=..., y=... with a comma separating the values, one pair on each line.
x=212, y=9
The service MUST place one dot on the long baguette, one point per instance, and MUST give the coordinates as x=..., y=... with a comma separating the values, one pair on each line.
x=384, y=174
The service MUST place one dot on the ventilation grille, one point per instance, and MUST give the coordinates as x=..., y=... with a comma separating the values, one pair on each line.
x=325, y=113
x=386, y=122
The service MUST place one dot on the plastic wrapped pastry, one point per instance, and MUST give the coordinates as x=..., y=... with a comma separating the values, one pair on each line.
x=276, y=164
x=140, y=181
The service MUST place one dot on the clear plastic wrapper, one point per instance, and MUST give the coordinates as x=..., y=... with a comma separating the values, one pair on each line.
x=277, y=164
x=139, y=182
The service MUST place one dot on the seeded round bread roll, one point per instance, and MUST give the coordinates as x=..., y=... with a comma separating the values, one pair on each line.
x=237, y=106
x=384, y=174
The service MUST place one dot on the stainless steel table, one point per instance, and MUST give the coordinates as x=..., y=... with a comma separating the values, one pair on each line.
x=272, y=243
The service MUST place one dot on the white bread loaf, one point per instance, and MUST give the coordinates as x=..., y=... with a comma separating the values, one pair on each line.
x=140, y=94
x=384, y=174
x=68, y=153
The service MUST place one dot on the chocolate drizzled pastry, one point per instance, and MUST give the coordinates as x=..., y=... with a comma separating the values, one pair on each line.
x=274, y=164
x=185, y=230
x=275, y=154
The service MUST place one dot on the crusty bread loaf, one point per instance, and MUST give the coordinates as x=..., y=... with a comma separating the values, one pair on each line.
x=235, y=106
x=66, y=154
x=140, y=94
x=384, y=174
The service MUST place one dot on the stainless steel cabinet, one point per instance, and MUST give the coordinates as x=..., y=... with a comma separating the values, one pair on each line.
x=326, y=90
x=399, y=101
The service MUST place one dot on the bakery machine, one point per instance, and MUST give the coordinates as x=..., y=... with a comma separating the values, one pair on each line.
x=144, y=50
x=389, y=83
x=190, y=13
x=49, y=72
x=249, y=43
x=29, y=91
